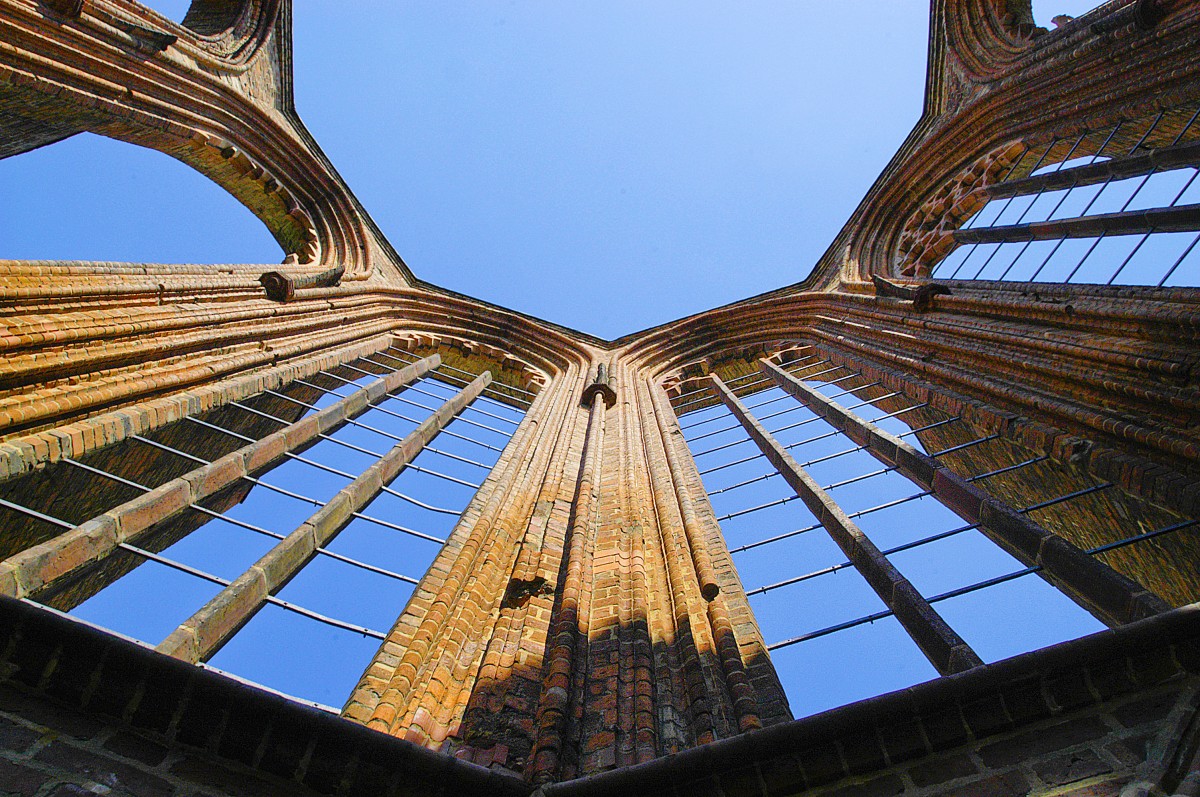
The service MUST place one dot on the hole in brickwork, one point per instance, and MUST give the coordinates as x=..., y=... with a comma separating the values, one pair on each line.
x=343, y=598
x=174, y=10
x=1045, y=11
x=115, y=193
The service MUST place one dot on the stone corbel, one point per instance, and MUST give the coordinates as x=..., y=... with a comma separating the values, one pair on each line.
x=921, y=295
x=71, y=9
x=282, y=287
x=602, y=384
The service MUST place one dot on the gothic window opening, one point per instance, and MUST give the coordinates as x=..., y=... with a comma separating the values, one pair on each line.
x=342, y=551
x=818, y=610
x=1119, y=206
x=117, y=193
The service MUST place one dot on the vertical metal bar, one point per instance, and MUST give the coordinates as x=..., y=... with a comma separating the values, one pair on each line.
x=944, y=648
x=202, y=635
x=1105, y=593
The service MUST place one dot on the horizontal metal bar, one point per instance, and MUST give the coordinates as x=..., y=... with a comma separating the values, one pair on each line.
x=833, y=433
x=460, y=418
x=1162, y=159
x=961, y=446
x=33, y=513
x=756, y=479
x=852, y=515
x=991, y=582
x=859, y=478
x=1009, y=468
x=472, y=408
x=717, y=417
x=889, y=504
x=289, y=493
x=833, y=629
x=777, y=502
x=721, y=447
x=826, y=371
x=735, y=379
x=390, y=413
x=1185, y=218
x=241, y=523
x=825, y=435
x=291, y=607
x=359, y=449
x=439, y=374
x=1068, y=497
x=1149, y=535
x=742, y=461
x=457, y=458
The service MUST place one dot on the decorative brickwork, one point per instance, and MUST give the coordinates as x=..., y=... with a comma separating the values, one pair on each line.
x=583, y=629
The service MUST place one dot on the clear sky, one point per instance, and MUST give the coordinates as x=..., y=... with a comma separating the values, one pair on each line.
x=611, y=165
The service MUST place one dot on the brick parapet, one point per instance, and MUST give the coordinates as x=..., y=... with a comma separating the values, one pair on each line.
x=81, y=708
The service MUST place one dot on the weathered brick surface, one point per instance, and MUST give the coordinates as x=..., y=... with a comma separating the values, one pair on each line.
x=585, y=617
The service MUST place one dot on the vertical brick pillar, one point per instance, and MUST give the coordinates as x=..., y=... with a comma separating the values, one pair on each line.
x=571, y=625
x=565, y=629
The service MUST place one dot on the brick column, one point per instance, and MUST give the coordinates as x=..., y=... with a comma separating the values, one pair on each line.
x=570, y=624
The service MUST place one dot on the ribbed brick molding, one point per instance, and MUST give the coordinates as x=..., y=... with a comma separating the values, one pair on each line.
x=729, y=613
x=1137, y=474
x=944, y=648
x=637, y=731
x=442, y=686
x=1104, y=592
x=200, y=636
x=571, y=619
x=742, y=693
x=701, y=703
x=72, y=440
x=37, y=567
x=385, y=695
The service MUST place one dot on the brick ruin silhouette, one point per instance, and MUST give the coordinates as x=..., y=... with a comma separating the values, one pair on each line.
x=583, y=629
